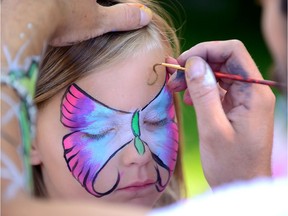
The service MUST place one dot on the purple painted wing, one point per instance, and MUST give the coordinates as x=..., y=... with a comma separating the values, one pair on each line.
x=98, y=132
x=160, y=130
x=94, y=136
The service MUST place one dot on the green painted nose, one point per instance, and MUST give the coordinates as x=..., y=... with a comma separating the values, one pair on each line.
x=138, y=143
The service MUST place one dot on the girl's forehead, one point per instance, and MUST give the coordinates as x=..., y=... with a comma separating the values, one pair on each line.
x=125, y=85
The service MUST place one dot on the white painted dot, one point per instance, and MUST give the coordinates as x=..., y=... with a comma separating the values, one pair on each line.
x=29, y=26
x=21, y=35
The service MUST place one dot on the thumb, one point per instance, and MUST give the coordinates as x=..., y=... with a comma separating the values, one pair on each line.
x=123, y=17
x=203, y=89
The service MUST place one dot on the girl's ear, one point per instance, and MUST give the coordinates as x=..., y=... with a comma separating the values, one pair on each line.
x=35, y=156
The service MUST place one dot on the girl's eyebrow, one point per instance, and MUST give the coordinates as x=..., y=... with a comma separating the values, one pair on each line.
x=94, y=99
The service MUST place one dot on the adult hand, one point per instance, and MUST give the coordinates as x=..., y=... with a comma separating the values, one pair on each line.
x=87, y=19
x=66, y=22
x=234, y=119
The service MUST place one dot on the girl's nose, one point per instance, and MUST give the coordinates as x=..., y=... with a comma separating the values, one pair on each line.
x=131, y=154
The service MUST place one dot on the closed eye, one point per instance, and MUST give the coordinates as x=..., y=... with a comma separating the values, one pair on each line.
x=98, y=136
x=157, y=123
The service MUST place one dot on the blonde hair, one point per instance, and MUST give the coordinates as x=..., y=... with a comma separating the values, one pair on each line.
x=62, y=66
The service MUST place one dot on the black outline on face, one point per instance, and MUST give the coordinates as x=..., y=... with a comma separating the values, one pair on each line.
x=158, y=185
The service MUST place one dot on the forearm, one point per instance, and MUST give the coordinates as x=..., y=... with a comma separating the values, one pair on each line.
x=26, y=28
x=21, y=24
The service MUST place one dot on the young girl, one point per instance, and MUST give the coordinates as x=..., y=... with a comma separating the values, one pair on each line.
x=107, y=127
x=72, y=149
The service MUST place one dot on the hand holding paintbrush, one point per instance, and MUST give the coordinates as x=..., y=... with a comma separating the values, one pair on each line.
x=234, y=119
x=226, y=76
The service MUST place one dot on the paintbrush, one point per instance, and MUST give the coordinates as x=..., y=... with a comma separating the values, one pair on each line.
x=228, y=76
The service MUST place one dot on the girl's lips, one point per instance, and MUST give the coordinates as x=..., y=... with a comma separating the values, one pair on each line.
x=137, y=186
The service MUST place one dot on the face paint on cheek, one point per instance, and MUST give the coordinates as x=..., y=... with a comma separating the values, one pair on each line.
x=88, y=147
x=94, y=139
x=161, y=135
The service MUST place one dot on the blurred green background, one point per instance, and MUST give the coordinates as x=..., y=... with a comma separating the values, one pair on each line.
x=206, y=20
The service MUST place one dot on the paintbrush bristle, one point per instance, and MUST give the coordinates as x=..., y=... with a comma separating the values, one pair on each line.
x=178, y=67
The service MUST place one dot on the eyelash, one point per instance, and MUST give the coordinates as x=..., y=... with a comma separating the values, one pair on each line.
x=159, y=123
x=98, y=136
x=101, y=135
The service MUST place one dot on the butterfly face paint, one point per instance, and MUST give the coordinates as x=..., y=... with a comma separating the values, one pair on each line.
x=98, y=132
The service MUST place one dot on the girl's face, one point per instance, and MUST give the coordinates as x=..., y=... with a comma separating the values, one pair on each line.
x=110, y=135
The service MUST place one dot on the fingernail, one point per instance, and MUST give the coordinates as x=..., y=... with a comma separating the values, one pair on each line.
x=146, y=15
x=197, y=69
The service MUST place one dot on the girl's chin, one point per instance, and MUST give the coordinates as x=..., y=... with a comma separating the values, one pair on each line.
x=145, y=197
